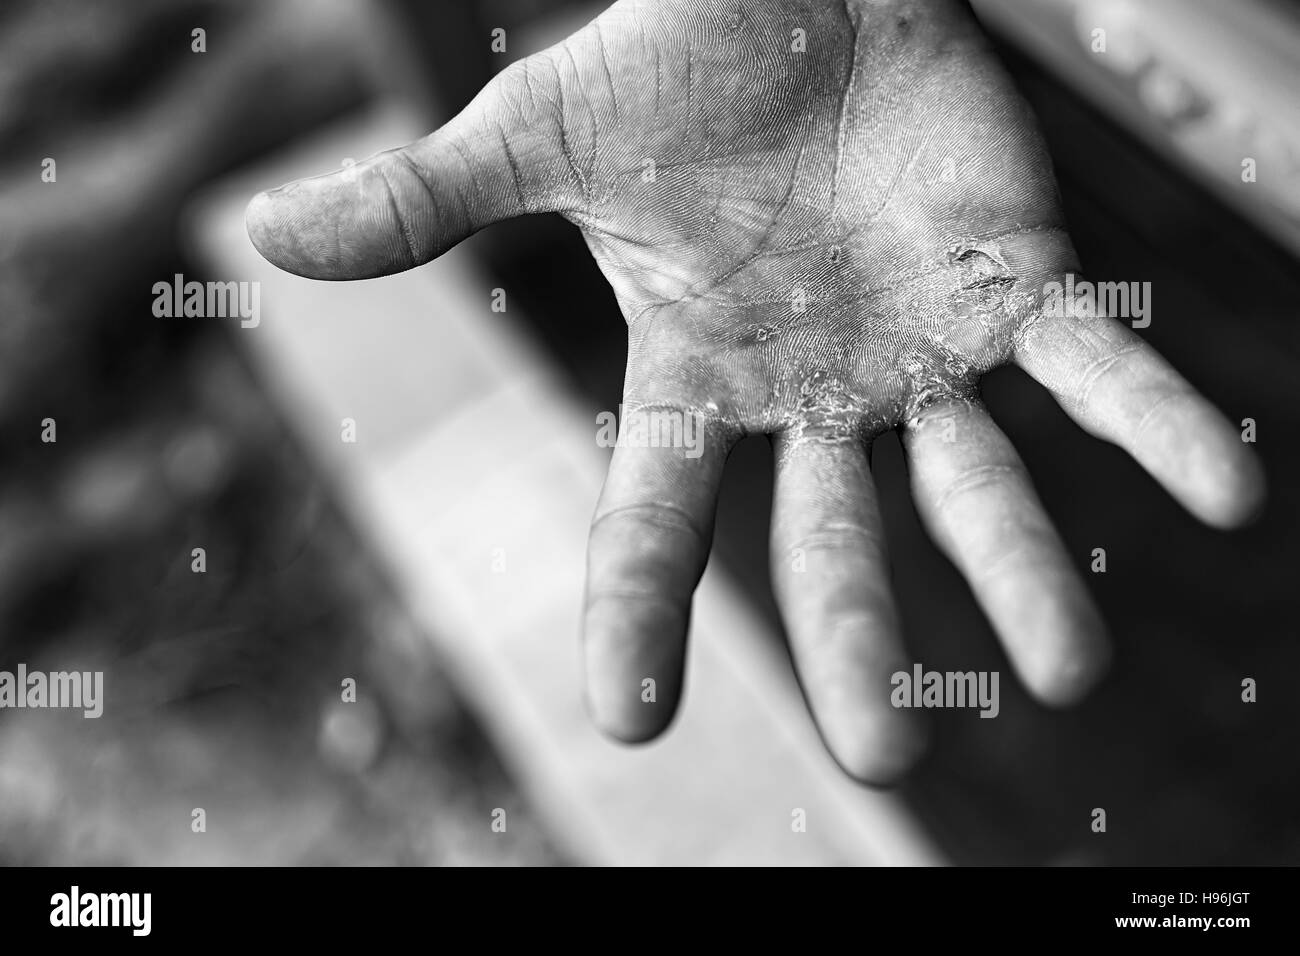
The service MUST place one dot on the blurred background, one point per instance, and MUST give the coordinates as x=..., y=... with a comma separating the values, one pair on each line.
x=223, y=686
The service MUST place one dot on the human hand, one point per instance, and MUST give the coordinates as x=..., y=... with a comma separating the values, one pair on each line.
x=817, y=245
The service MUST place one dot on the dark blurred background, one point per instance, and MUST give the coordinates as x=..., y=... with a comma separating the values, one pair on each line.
x=166, y=436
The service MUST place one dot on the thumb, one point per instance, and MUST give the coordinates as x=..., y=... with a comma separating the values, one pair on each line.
x=404, y=207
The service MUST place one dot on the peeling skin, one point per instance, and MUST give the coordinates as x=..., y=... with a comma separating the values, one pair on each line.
x=827, y=185
x=835, y=243
x=800, y=259
x=985, y=255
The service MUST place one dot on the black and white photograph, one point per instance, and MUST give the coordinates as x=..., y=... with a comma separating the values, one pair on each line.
x=666, y=433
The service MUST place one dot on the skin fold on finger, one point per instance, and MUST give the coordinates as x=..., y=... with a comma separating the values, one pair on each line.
x=649, y=544
x=831, y=577
x=1118, y=388
x=407, y=206
x=975, y=497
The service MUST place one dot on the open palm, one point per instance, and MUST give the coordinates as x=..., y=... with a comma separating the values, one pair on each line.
x=822, y=220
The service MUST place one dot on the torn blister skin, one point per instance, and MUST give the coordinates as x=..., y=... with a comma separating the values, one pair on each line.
x=864, y=247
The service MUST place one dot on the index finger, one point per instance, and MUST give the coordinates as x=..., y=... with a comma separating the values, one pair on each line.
x=1117, y=387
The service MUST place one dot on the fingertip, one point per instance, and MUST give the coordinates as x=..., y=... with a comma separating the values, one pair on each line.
x=621, y=714
x=1072, y=679
x=627, y=726
x=1237, y=491
x=874, y=739
x=879, y=749
x=258, y=223
x=1202, y=459
x=633, y=661
x=1062, y=673
x=367, y=220
x=282, y=236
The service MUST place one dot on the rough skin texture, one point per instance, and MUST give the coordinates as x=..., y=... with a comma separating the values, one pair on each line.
x=822, y=220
